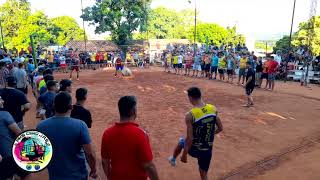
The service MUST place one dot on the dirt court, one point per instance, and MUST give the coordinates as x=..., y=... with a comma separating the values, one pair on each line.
x=278, y=139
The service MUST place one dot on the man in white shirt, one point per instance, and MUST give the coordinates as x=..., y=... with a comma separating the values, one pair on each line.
x=180, y=60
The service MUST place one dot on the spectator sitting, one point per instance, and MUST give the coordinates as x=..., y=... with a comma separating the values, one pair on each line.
x=78, y=111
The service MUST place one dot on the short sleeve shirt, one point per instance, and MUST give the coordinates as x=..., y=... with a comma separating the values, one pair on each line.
x=251, y=74
x=47, y=100
x=128, y=148
x=68, y=160
x=6, y=136
x=13, y=100
x=79, y=112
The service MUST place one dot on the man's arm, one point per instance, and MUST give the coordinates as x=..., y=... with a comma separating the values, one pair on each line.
x=248, y=81
x=25, y=107
x=15, y=129
x=106, y=167
x=91, y=158
x=151, y=170
x=219, y=125
x=189, y=137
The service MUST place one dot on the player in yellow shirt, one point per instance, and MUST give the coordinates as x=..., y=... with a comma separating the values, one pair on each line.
x=242, y=68
x=222, y=65
x=175, y=63
x=201, y=122
x=167, y=64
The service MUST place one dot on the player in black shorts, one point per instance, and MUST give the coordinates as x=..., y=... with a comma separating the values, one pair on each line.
x=250, y=84
x=202, y=124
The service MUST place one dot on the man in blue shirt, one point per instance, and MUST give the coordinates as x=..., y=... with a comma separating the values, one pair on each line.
x=71, y=143
x=214, y=65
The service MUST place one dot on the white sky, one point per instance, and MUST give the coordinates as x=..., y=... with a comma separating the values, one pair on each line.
x=254, y=18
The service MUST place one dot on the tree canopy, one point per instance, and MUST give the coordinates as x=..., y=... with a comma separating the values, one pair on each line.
x=120, y=17
x=18, y=23
x=301, y=37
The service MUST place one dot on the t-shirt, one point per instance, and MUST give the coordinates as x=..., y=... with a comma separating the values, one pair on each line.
x=79, y=112
x=272, y=66
x=20, y=76
x=222, y=63
x=265, y=67
x=243, y=63
x=30, y=68
x=259, y=67
x=6, y=135
x=128, y=148
x=215, y=61
x=230, y=64
x=13, y=100
x=251, y=73
x=180, y=59
x=175, y=59
x=47, y=100
x=67, y=136
x=42, y=83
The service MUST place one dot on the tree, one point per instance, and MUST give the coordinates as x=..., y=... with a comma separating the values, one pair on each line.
x=13, y=14
x=282, y=45
x=164, y=23
x=66, y=29
x=302, y=36
x=120, y=17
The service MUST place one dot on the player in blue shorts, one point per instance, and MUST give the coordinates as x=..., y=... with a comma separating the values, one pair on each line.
x=119, y=66
x=201, y=123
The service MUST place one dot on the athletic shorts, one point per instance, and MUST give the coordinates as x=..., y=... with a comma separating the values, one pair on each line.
x=221, y=71
x=264, y=76
x=230, y=71
x=249, y=90
x=188, y=66
x=76, y=68
x=197, y=67
x=175, y=66
x=8, y=168
x=207, y=67
x=202, y=67
x=180, y=65
x=119, y=68
x=271, y=77
x=214, y=69
x=242, y=72
x=63, y=65
x=204, y=157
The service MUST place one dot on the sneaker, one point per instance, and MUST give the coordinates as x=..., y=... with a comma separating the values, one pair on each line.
x=172, y=161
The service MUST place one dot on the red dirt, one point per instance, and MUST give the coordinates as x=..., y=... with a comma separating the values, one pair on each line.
x=267, y=141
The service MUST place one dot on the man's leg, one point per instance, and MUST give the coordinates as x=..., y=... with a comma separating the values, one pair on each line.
x=71, y=73
x=178, y=149
x=78, y=72
x=272, y=84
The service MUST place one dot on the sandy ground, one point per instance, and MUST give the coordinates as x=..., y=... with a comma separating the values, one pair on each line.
x=277, y=139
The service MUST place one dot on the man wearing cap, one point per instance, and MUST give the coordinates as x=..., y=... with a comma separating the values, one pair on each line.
x=15, y=102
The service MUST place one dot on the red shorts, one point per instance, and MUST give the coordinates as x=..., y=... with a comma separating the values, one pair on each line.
x=63, y=65
x=188, y=66
x=75, y=68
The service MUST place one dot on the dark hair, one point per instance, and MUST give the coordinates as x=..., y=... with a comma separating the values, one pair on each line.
x=2, y=64
x=64, y=83
x=47, y=71
x=48, y=77
x=126, y=105
x=62, y=102
x=51, y=84
x=194, y=92
x=11, y=81
x=31, y=61
x=20, y=65
x=81, y=94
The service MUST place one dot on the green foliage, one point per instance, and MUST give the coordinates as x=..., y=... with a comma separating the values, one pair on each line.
x=19, y=23
x=282, y=45
x=215, y=34
x=120, y=17
x=66, y=29
x=307, y=30
x=166, y=23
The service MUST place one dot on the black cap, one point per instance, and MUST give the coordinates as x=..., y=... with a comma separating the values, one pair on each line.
x=11, y=81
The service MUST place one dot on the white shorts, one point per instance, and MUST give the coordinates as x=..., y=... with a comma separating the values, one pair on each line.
x=197, y=67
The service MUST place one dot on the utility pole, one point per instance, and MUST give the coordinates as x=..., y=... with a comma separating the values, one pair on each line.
x=293, y=11
x=195, y=27
x=34, y=57
x=3, y=46
x=84, y=30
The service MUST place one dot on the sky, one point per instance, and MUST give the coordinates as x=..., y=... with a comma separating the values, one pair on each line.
x=256, y=19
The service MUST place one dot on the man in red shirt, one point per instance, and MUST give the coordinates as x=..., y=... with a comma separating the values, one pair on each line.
x=119, y=65
x=125, y=148
x=272, y=69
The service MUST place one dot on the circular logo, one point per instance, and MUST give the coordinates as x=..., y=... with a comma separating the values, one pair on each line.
x=32, y=151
